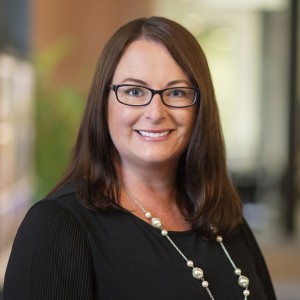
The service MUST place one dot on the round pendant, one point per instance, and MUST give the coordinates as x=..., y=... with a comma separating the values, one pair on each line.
x=156, y=222
x=243, y=281
x=197, y=273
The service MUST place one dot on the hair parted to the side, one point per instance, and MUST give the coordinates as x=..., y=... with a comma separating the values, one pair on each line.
x=204, y=187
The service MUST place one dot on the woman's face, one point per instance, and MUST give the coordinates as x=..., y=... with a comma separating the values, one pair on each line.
x=154, y=134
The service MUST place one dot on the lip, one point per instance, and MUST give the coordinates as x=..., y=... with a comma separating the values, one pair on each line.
x=154, y=133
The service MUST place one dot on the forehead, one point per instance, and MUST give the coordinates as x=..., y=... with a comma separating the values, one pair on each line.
x=150, y=61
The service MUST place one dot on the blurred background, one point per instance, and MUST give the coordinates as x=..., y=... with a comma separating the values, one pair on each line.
x=48, y=53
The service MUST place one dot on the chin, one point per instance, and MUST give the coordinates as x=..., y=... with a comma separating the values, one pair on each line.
x=159, y=160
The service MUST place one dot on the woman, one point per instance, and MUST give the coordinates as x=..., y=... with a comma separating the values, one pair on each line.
x=146, y=209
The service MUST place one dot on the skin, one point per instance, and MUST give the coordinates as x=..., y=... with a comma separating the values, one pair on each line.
x=147, y=165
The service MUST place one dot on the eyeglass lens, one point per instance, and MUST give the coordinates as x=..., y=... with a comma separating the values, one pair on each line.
x=136, y=95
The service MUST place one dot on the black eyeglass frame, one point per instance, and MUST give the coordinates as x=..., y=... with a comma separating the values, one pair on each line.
x=114, y=87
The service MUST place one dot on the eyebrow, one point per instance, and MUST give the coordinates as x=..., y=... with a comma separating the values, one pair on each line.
x=141, y=82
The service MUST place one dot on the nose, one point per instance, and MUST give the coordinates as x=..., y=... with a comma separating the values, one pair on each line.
x=155, y=110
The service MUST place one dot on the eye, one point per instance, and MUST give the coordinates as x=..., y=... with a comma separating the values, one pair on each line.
x=134, y=92
x=177, y=93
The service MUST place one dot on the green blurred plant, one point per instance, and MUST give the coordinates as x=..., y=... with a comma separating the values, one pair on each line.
x=58, y=110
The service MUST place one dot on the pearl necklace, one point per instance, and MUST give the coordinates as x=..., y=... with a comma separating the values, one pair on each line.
x=197, y=272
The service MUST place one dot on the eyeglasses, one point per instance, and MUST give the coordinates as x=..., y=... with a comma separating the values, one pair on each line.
x=136, y=95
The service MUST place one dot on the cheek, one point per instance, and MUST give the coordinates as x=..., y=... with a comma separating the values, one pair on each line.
x=187, y=121
x=120, y=118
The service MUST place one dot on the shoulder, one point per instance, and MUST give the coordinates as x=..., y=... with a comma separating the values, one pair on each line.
x=49, y=243
x=62, y=213
x=244, y=236
x=53, y=222
x=60, y=206
x=244, y=246
x=53, y=210
x=52, y=219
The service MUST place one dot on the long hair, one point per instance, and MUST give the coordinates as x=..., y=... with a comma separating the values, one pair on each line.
x=204, y=187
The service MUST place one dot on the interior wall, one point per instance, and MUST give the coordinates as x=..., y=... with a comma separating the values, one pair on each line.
x=82, y=27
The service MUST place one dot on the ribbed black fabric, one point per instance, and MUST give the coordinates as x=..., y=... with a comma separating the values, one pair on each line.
x=64, y=251
x=50, y=257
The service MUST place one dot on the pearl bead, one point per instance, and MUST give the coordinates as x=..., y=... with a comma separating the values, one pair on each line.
x=246, y=293
x=156, y=222
x=164, y=232
x=197, y=273
x=148, y=215
x=190, y=263
x=205, y=284
x=243, y=281
x=237, y=272
x=219, y=239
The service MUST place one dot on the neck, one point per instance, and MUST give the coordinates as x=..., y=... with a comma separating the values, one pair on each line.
x=154, y=187
x=157, y=197
x=155, y=183
x=170, y=214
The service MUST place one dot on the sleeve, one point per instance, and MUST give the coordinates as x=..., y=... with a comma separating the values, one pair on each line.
x=50, y=257
x=260, y=264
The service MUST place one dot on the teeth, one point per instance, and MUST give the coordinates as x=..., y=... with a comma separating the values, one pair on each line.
x=153, y=134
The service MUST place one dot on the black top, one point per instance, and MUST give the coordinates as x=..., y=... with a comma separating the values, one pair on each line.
x=65, y=251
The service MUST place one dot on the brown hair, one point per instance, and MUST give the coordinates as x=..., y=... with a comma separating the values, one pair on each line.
x=204, y=188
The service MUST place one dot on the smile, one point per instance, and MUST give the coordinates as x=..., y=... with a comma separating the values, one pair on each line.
x=153, y=134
